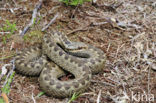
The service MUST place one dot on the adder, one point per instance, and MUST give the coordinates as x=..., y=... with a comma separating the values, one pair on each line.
x=56, y=56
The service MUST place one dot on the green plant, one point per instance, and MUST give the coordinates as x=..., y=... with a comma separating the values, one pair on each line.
x=33, y=34
x=40, y=94
x=34, y=21
x=6, y=88
x=11, y=27
x=1, y=29
x=1, y=100
x=58, y=26
x=74, y=97
x=74, y=2
x=4, y=39
x=8, y=27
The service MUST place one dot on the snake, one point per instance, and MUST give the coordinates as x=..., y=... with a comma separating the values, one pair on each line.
x=54, y=57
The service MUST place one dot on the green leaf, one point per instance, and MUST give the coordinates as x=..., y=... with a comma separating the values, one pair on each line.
x=8, y=36
x=74, y=97
x=40, y=94
x=1, y=100
x=1, y=29
x=9, y=27
x=74, y=2
x=4, y=39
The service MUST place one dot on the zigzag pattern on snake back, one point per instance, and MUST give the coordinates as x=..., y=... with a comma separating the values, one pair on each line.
x=56, y=55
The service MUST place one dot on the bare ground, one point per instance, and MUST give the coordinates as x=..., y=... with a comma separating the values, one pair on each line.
x=124, y=30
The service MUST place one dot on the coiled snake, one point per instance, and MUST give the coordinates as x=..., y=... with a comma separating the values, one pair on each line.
x=54, y=57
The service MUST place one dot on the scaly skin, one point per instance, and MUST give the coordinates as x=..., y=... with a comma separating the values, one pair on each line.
x=61, y=60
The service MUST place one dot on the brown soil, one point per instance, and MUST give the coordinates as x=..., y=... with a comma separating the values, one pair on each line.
x=124, y=30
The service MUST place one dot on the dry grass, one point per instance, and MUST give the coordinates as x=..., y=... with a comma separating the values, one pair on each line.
x=130, y=46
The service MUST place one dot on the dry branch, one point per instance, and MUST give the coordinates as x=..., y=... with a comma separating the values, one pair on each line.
x=3, y=94
x=11, y=71
x=51, y=22
x=98, y=98
x=33, y=17
x=3, y=70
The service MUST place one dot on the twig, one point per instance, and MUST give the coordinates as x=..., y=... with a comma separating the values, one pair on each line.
x=11, y=71
x=33, y=17
x=3, y=94
x=118, y=49
x=14, y=2
x=52, y=21
x=4, y=33
x=108, y=47
x=103, y=83
x=114, y=81
x=101, y=23
x=116, y=6
x=98, y=98
x=33, y=98
x=75, y=11
x=111, y=7
x=4, y=70
x=80, y=29
x=137, y=36
x=107, y=30
x=108, y=20
x=148, y=86
x=76, y=30
x=118, y=75
x=9, y=9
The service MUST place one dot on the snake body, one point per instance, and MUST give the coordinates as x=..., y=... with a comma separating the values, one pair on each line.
x=54, y=57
